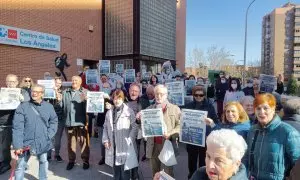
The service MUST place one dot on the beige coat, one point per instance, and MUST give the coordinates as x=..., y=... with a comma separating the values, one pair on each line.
x=171, y=125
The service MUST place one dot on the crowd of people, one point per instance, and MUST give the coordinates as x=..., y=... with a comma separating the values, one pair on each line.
x=249, y=135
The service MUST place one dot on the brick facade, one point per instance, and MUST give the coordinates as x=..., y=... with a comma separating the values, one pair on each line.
x=67, y=18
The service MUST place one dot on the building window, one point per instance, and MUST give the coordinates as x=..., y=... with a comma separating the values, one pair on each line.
x=297, y=23
x=297, y=52
x=298, y=79
x=297, y=65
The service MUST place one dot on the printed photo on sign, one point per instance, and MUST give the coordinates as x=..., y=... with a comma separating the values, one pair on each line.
x=9, y=98
x=95, y=102
x=268, y=83
x=119, y=68
x=189, y=84
x=176, y=92
x=49, y=85
x=129, y=75
x=104, y=66
x=193, y=127
x=92, y=76
x=152, y=120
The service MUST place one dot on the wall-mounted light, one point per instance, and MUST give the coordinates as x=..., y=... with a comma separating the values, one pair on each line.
x=91, y=28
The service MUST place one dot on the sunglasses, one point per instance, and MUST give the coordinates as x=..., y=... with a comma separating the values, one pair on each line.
x=199, y=95
x=27, y=80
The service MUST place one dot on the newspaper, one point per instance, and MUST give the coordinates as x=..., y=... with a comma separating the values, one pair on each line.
x=152, y=122
x=49, y=85
x=165, y=176
x=268, y=83
x=189, y=84
x=92, y=76
x=193, y=127
x=95, y=102
x=176, y=93
x=120, y=68
x=9, y=98
x=129, y=75
x=104, y=66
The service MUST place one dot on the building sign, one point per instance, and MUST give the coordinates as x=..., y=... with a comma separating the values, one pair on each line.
x=26, y=38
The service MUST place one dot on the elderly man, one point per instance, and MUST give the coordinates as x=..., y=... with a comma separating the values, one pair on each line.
x=74, y=114
x=6, y=117
x=291, y=110
x=171, y=116
x=34, y=125
x=247, y=103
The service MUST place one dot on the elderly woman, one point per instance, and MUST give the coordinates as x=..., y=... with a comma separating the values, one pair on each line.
x=196, y=154
x=119, y=131
x=225, y=149
x=274, y=146
x=247, y=103
x=234, y=117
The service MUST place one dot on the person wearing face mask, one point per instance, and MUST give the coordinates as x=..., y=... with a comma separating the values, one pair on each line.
x=196, y=154
x=274, y=145
x=120, y=131
x=248, y=90
x=221, y=88
x=234, y=117
x=234, y=93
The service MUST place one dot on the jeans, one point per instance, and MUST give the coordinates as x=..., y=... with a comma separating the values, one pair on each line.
x=22, y=164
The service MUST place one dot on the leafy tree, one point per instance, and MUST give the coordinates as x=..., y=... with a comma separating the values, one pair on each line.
x=292, y=87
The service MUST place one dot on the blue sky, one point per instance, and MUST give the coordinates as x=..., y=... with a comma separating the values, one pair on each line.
x=222, y=23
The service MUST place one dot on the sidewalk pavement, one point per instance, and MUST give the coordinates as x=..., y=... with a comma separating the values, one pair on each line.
x=57, y=171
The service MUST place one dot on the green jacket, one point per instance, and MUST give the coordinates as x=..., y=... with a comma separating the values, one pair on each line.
x=272, y=151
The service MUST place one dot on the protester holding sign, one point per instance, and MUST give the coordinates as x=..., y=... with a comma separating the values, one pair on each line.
x=234, y=117
x=6, y=118
x=171, y=120
x=120, y=131
x=197, y=153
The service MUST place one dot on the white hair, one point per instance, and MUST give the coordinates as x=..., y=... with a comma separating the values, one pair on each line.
x=234, y=144
x=246, y=99
x=160, y=86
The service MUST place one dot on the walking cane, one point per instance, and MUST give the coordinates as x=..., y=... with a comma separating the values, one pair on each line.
x=12, y=173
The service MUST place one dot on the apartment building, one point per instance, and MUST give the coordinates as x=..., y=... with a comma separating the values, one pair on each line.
x=281, y=42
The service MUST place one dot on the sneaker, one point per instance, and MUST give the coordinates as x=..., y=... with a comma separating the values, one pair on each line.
x=4, y=168
x=85, y=165
x=101, y=162
x=58, y=158
x=70, y=166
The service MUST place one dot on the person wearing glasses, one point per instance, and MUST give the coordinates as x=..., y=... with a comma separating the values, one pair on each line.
x=171, y=119
x=25, y=86
x=196, y=154
x=6, y=118
x=34, y=125
x=274, y=145
x=225, y=149
x=234, y=117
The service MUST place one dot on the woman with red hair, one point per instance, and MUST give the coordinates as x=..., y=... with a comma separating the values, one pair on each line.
x=273, y=145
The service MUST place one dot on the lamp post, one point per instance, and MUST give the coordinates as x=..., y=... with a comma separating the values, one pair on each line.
x=246, y=27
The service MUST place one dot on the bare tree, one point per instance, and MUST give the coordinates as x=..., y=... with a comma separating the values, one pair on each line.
x=218, y=57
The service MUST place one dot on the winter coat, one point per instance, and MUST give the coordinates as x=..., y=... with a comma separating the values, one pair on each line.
x=295, y=173
x=171, y=124
x=221, y=89
x=272, y=150
x=125, y=128
x=34, y=127
x=293, y=120
x=241, y=128
x=200, y=174
x=74, y=109
x=248, y=91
